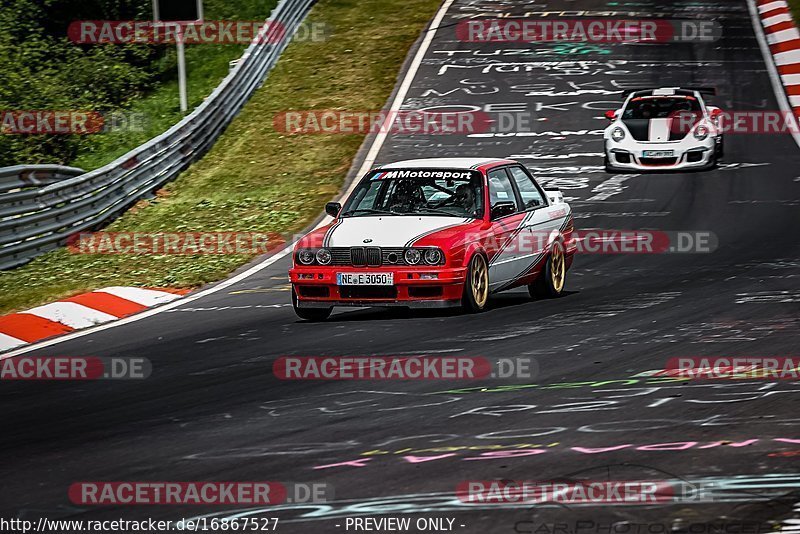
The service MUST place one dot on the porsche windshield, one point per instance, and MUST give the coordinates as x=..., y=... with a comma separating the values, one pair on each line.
x=645, y=108
x=443, y=192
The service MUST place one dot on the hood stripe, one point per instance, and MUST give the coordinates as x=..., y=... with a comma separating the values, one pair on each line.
x=429, y=232
x=327, y=239
x=659, y=129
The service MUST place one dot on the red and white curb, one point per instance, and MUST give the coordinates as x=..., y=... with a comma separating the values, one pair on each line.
x=783, y=39
x=80, y=311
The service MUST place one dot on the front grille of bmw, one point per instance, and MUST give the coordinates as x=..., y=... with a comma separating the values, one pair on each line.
x=367, y=256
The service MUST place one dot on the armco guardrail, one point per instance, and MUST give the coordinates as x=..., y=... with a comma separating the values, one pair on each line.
x=33, y=221
x=26, y=176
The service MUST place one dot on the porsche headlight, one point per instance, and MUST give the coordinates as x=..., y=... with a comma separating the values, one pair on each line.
x=432, y=256
x=617, y=134
x=324, y=256
x=305, y=256
x=412, y=256
x=700, y=133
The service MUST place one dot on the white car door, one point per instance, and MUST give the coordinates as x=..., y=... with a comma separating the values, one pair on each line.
x=543, y=224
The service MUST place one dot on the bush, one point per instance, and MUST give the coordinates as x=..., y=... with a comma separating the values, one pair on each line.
x=43, y=70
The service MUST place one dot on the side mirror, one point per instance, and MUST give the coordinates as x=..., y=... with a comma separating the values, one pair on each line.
x=611, y=115
x=333, y=208
x=503, y=208
x=715, y=112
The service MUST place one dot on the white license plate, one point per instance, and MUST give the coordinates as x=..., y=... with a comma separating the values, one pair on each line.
x=365, y=279
x=658, y=153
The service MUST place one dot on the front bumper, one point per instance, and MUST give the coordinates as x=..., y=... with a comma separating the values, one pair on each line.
x=316, y=287
x=416, y=304
x=686, y=155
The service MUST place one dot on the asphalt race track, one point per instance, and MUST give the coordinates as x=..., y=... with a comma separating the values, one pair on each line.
x=213, y=411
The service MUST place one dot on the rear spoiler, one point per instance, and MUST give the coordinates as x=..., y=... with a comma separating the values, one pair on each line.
x=702, y=90
x=554, y=195
x=627, y=92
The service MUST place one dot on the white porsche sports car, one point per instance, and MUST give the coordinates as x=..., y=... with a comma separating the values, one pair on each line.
x=663, y=129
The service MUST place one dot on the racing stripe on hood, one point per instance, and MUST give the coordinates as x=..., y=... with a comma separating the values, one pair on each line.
x=429, y=232
x=654, y=130
x=327, y=239
x=659, y=130
x=638, y=128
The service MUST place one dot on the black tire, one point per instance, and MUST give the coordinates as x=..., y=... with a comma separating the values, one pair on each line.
x=310, y=314
x=720, y=148
x=474, y=300
x=546, y=284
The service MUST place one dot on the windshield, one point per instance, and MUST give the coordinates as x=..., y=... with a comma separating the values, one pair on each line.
x=450, y=193
x=645, y=108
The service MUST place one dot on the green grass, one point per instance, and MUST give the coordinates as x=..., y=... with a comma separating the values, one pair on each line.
x=255, y=178
x=206, y=66
x=794, y=5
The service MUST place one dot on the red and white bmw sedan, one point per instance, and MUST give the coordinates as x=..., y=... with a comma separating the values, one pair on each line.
x=434, y=233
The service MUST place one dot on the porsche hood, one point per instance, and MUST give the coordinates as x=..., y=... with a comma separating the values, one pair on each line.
x=655, y=130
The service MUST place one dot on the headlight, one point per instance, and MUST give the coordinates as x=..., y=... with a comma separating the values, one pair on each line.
x=700, y=133
x=324, y=256
x=433, y=256
x=412, y=256
x=617, y=134
x=305, y=256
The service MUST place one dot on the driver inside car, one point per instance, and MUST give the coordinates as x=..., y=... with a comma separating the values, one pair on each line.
x=407, y=197
x=465, y=198
x=647, y=111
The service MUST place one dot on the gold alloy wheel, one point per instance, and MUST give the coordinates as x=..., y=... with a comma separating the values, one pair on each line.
x=557, y=270
x=480, y=281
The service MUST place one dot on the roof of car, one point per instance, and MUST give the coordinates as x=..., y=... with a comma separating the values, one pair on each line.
x=670, y=91
x=444, y=163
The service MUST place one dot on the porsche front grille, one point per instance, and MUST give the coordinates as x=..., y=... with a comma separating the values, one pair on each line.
x=658, y=161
